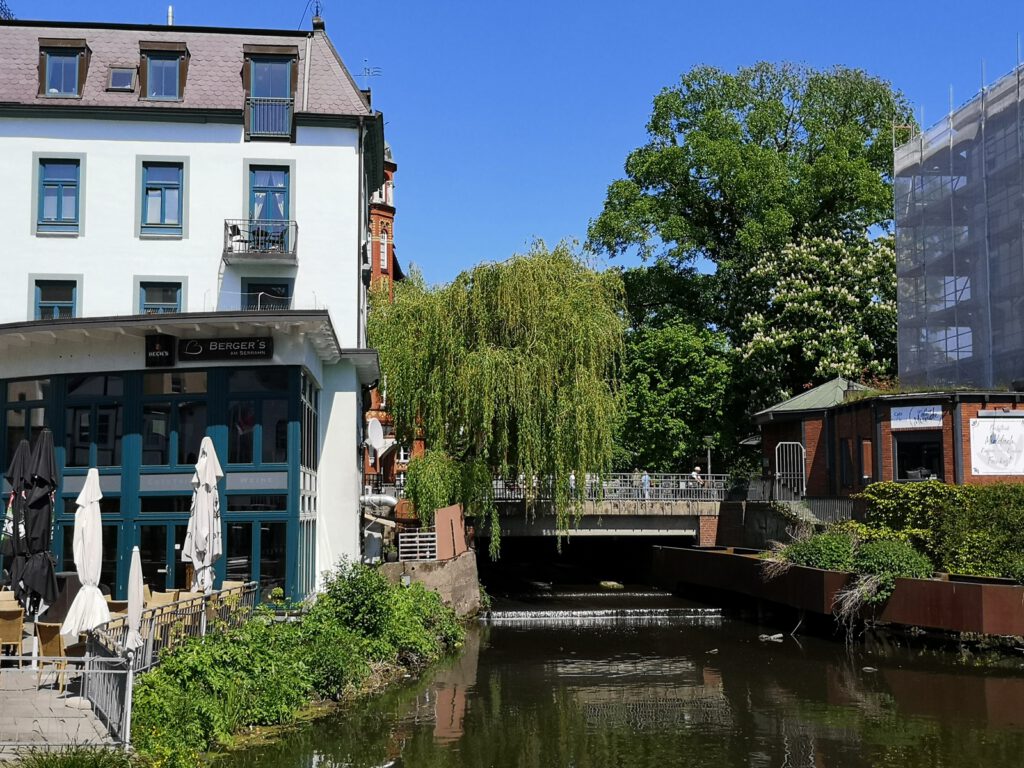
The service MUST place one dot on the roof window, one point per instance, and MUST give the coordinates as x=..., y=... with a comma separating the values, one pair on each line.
x=121, y=79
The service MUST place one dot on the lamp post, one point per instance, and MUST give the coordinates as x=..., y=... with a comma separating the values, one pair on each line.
x=709, y=440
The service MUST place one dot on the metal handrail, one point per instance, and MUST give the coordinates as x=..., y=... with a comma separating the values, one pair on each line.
x=266, y=238
x=269, y=116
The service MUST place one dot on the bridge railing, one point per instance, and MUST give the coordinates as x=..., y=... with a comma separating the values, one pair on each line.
x=620, y=486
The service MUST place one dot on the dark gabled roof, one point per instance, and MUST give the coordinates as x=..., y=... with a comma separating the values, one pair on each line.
x=819, y=398
x=214, y=78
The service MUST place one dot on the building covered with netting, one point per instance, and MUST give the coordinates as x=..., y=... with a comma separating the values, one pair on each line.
x=959, y=211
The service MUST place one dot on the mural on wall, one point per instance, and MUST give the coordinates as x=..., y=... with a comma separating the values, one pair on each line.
x=997, y=446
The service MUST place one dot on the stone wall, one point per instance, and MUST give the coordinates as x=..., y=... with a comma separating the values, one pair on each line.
x=455, y=580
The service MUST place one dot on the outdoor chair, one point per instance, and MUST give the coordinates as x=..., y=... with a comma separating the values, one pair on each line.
x=51, y=644
x=12, y=629
x=158, y=599
x=239, y=242
x=117, y=606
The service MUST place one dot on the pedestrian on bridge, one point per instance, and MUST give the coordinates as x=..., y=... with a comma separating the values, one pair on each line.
x=698, y=481
x=645, y=483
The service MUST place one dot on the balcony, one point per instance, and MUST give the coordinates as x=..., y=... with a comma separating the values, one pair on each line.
x=269, y=118
x=260, y=241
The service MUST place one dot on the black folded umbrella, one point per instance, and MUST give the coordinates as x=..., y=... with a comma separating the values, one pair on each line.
x=36, y=577
x=13, y=543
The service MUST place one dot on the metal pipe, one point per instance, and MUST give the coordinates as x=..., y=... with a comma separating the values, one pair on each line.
x=379, y=500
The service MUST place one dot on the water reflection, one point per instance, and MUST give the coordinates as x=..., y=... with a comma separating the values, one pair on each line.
x=668, y=694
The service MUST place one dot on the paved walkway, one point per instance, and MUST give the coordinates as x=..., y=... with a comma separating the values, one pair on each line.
x=34, y=713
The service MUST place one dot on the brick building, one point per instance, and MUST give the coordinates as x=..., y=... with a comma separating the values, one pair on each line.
x=388, y=466
x=850, y=437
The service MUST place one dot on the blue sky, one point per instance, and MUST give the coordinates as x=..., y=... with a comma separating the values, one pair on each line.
x=509, y=119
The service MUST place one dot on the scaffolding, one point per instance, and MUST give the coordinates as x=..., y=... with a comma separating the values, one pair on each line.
x=959, y=212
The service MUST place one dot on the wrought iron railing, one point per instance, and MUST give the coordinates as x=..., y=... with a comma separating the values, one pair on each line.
x=622, y=486
x=165, y=626
x=264, y=240
x=269, y=117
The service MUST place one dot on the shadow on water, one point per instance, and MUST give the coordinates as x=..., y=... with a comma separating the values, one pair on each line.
x=638, y=678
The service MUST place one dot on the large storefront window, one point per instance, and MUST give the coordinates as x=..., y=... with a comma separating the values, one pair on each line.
x=26, y=412
x=142, y=430
x=918, y=455
x=258, y=421
x=174, y=418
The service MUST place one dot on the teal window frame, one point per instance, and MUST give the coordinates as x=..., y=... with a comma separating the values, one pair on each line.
x=162, y=188
x=50, y=179
x=155, y=307
x=51, y=57
x=52, y=309
x=175, y=60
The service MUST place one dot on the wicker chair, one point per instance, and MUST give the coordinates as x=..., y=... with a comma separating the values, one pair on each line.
x=51, y=644
x=12, y=629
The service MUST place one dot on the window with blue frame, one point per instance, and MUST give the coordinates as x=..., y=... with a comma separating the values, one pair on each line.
x=162, y=80
x=159, y=298
x=58, y=196
x=56, y=299
x=161, y=198
x=174, y=418
x=258, y=416
x=62, y=73
x=270, y=97
x=93, y=420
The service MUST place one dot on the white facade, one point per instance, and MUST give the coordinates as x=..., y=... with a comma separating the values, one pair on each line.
x=320, y=333
x=109, y=257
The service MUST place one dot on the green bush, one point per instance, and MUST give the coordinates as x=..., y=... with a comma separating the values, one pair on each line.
x=832, y=551
x=888, y=560
x=262, y=673
x=984, y=537
x=900, y=506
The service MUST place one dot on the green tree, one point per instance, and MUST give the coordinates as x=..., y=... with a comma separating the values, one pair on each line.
x=737, y=168
x=510, y=369
x=675, y=381
x=831, y=311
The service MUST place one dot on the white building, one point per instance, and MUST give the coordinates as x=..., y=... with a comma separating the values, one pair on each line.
x=184, y=213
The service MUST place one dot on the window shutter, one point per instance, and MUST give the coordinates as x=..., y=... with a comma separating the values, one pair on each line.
x=42, y=72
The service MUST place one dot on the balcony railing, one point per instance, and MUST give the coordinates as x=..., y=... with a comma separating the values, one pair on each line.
x=260, y=241
x=269, y=117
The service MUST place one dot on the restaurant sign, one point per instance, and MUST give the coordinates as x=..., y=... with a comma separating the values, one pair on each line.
x=254, y=348
x=916, y=417
x=160, y=350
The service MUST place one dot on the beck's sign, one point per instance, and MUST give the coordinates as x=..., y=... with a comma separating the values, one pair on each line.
x=160, y=350
x=255, y=348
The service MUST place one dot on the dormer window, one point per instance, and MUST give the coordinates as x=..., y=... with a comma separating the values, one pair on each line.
x=162, y=70
x=121, y=79
x=62, y=67
x=269, y=78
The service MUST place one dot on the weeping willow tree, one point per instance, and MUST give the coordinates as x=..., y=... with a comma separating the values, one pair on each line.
x=508, y=371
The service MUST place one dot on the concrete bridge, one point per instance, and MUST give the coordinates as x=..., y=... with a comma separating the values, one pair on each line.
x=619, y=505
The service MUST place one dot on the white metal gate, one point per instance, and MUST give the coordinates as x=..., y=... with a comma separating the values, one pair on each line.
x=790, y=471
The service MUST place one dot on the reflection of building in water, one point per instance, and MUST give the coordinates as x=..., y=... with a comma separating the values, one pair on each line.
x=451, y=685
x=663, y=694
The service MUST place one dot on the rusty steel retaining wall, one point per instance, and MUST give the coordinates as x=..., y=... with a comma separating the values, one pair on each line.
x=948, y=603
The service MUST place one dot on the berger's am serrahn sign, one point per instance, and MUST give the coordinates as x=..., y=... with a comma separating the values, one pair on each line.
x=253, y=348
x=916, y=417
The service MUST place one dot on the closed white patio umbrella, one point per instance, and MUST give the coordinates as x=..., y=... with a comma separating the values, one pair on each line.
x=89, y=609
x=135, y=599
x=203, y=545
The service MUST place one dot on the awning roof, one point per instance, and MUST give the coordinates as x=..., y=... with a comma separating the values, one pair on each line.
x=314, y=324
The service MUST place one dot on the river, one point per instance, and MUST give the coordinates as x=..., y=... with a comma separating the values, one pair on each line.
x=639, y=679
